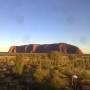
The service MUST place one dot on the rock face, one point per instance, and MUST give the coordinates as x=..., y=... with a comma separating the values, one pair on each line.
x=45, y=48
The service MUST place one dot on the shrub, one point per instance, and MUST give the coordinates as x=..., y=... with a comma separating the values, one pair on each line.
x=19, y=65
x=40, y=75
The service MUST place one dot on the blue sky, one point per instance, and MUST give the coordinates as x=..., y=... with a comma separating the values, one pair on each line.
x=45, y=21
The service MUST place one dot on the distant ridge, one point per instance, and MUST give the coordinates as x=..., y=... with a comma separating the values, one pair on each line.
x=45, y=48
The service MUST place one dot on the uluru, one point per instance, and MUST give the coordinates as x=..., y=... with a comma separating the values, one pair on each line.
x=46, y=48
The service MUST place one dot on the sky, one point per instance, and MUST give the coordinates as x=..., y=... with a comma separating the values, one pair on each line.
x=45, y=21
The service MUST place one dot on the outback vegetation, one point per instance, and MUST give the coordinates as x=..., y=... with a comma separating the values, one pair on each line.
x=51, y=71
